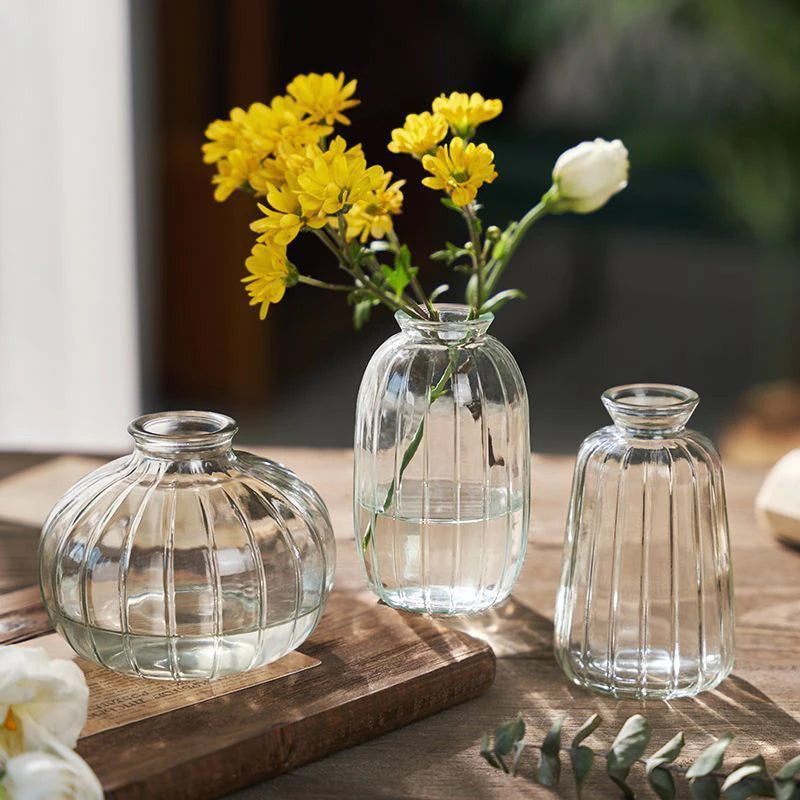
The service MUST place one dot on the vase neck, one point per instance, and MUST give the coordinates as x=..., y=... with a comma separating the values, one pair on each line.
x=453, y=325
x=650, y=409
x=183, y=434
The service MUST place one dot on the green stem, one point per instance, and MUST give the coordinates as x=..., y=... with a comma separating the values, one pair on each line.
x=477, y=256
x=334, y=287
x=496, y=270
x=436, y=392
x=415, y=284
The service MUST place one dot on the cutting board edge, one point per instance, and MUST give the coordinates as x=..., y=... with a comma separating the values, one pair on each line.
x=209, y=776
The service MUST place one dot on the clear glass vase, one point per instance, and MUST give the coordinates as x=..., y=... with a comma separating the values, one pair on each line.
x=442, y=466
x=187, y=559
x=645, y=603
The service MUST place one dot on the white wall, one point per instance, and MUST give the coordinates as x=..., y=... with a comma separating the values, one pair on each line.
x=68, y=343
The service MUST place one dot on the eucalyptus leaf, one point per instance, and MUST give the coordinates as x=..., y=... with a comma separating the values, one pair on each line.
x=662, y=782
x=516, y=755
x=704, y=787
x=627, y=748
x=549, y=771
x=587, y=729
x=786, y=789
x=789, y=770
x=582, y=759
x=667, y=754
x=629, y=745
x=552, y=742
x=711, y=758
x=507, y=734
x=487, y=754
x=748, y=779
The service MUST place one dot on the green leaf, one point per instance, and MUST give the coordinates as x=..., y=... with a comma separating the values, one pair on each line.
x=487, y=754
x=582, y=759
x=711, y=758
x=627, y=748
x=667, y=754
x=704, y=787
x=552, y=742
x=501, y=298
x=786, y=790
x=629, y=745
x=662, y=782
x=361, y=313
x=748, y=779
x=587, y=729
x=448, y=203
x=789, y=770
x=549, y=771
x=516, y=755
x=438, y=291
x=507, y=734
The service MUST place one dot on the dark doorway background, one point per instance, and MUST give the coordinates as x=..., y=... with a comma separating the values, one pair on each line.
x=690, y=276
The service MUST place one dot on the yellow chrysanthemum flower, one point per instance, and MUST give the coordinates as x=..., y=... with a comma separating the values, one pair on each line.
x=333, y=182
x=372, y=216
x=224, y=137
x=460, y=171
x=465, y=111
x=263, y=135
x=270, y=274
x=323, y=97
x=232, y=173
x=419, y=135
x=283, y=219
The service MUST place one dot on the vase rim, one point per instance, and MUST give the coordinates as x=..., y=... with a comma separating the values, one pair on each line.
x=453, y=319
x=656, y=407
x=175, y=431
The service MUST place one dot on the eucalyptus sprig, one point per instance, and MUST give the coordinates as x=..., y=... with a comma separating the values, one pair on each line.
x=707, y=780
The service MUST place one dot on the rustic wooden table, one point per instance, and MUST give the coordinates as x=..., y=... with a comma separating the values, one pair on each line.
x=438, y=757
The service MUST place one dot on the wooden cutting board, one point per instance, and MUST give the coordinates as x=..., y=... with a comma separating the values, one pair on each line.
x=367, y=669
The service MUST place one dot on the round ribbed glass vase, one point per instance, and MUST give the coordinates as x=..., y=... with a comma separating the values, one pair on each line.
x=187, y=559
x=442, y=466
x=645, y=603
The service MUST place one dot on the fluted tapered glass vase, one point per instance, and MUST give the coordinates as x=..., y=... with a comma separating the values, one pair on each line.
x=187, y=559
x=645, y=605
x=442, y=466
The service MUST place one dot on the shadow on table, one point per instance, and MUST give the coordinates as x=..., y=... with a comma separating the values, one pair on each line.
x=516, y=631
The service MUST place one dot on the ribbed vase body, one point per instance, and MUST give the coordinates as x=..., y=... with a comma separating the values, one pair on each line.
x=187, y=559
x=645, y=604
x=442, y=467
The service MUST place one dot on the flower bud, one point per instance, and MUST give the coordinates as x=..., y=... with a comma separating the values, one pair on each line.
x=493, y=233
x=586, y=176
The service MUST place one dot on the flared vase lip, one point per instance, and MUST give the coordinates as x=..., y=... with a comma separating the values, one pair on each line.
x=454, y=321
x=650, y=407
x=176, y=431
x=659, y=399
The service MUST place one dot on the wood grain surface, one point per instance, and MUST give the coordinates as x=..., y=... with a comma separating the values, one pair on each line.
x=438, y=757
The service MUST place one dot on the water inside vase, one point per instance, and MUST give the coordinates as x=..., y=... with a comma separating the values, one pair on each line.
x=445, y=549
x=187, y=657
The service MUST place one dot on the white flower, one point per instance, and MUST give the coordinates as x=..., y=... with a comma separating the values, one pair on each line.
x=586, y=176
x=42, y=700
x=43, y=776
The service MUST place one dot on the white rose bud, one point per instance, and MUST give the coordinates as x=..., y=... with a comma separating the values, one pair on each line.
x=586, y=176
